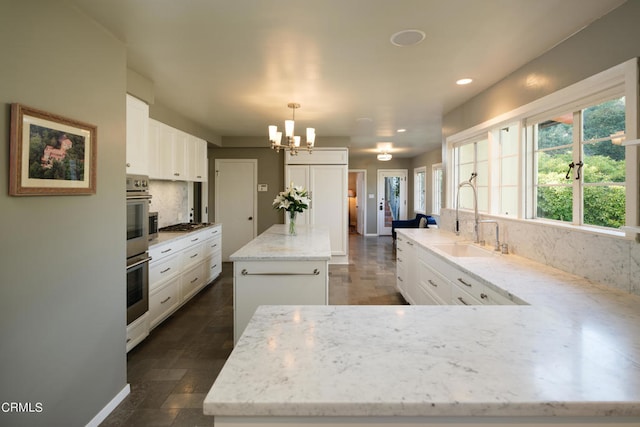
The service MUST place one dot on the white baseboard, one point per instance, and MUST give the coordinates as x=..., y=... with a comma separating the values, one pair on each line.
x=104, y=413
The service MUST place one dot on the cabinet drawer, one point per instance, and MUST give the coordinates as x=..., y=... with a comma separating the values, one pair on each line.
x=212, y=245
x=435, y=283
x=207, y=233
x=460, y=297
x=424, y=296
x=193, y=255
x=137, y=331
x=159, y=251
x=164, y=269
x=192, y=280
x=163, y=301
x=213, y=264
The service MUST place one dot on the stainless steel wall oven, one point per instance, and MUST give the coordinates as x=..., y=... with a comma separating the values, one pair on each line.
x=138, y=198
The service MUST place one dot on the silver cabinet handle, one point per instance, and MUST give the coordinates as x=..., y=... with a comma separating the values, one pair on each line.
x=399, y=250
x=195, y=240
x=165, y=270
x=165, y=251
x=193, y=256
x=400, y=278
x=162, y=302
x=409, y=242
x=244, y=272
x=464, y=283
x=462, y=301
x=435, y=285
x=484, y=296
x=194, y=280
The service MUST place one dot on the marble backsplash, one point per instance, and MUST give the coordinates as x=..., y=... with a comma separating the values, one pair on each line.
x=612, y=261
x=170, y=200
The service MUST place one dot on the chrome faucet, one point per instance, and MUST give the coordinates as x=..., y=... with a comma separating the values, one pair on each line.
x=497, y=231
x=475, y=207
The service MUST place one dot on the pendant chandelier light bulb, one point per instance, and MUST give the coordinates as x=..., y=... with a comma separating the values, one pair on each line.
x=292, y=142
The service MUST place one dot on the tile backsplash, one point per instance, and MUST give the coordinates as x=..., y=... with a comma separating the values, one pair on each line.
x=612, y=261
x=170, y=200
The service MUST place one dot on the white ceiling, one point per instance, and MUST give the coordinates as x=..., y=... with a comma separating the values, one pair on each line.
x=233, y=65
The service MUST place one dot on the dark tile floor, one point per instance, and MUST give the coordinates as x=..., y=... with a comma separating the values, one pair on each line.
x=173, y=369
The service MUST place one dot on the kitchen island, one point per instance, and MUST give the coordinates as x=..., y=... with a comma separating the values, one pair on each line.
x=570, y=357
x=278, y=268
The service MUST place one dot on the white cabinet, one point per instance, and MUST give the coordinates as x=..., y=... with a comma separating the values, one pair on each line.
x=181, y=267
x=328, y=188
x=406, y=268
x=287, y=282
x=424, y=278
x=137, y=331
x=196, y=159
x=137, y=139
x=176, y=155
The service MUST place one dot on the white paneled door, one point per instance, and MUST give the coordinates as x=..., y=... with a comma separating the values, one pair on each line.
x=236, y=182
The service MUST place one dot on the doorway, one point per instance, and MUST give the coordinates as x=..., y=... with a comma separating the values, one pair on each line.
x=236, y=183
x=392, y=198
x=357, y=200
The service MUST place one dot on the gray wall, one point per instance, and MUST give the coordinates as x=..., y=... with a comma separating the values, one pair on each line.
x=270, y=172
x=62, y=276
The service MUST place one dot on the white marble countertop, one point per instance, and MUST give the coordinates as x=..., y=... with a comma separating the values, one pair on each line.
x=574, y=351
x=311, y=243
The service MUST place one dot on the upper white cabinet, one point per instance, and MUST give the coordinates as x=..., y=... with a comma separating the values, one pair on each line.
x=324, y=173
x=137, y=139
x=196, y=159
x=176, y=155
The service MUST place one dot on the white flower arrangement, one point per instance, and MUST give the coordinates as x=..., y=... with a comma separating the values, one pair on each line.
x=293, y=199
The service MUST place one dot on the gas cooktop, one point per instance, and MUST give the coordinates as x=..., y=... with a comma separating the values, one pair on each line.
x=185, y=226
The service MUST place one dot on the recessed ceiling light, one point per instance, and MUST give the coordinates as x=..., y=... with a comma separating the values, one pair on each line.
x=464, y=81
x=407, y=37
x=401, y=130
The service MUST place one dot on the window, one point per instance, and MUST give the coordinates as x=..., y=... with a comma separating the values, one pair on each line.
x=472, y=158
x=436, y=191
x=580, y=165
x=559, y=158
x=420, y=190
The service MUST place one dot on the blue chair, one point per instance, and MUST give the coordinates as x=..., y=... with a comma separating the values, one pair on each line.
x=411, y=223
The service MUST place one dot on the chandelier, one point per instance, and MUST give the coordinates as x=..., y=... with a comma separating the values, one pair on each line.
x=384, y=157
x=293, y=142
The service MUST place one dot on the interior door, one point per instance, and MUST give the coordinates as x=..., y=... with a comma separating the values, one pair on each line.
x=392, y=198
x=236, y=182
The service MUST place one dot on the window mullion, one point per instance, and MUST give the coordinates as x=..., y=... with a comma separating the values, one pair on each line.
x=578, y=193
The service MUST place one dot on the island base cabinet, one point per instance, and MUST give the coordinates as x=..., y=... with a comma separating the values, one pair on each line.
x=258, y=283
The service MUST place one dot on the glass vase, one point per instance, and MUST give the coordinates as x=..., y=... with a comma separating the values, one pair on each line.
x=292, y=222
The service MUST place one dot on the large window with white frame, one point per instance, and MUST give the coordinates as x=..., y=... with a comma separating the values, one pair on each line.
x=579, y=165
x=560, y=159
x=420, y=190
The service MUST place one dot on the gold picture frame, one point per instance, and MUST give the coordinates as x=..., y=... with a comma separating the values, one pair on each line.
x=50, y=154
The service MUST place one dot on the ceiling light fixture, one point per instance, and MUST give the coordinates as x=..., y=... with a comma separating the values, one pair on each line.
x=384, y=157
x=293, y=142
x=401, y=130
x=464, y=81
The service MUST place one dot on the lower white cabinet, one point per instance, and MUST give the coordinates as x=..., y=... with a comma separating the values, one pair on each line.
x=180, y=268
x=258, y=283
x=137, y=331
x=424, y=278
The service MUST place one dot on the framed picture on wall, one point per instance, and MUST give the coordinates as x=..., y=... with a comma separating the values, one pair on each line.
x=50, y=154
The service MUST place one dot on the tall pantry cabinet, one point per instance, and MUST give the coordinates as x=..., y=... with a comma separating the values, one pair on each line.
x=324, y=173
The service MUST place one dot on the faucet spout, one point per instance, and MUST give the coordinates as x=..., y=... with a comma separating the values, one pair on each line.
x=491, y=221
x=475, y=207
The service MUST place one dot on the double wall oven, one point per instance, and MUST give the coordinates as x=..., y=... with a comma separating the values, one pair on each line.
x=138, y=198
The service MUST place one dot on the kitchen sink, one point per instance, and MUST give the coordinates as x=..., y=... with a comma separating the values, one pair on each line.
x=462, y=250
